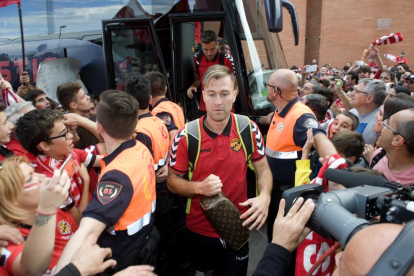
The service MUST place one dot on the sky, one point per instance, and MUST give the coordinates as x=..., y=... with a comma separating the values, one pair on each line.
x=76, y=15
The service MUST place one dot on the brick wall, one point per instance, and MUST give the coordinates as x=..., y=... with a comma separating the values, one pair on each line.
x=346, y=29
x=346, y=33
x=313, y=30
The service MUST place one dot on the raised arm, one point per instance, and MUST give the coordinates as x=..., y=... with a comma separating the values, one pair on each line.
x=41, y=240
x=72, y=119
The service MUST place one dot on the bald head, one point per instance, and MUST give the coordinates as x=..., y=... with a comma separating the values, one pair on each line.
x=404, y=115
x=366, y=247
x=287, y=81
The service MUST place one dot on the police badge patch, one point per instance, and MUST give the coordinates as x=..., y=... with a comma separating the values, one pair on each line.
x=167, y=120
x=108, y=191
x=310, y=123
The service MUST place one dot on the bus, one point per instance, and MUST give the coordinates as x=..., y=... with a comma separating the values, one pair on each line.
x=116, y=38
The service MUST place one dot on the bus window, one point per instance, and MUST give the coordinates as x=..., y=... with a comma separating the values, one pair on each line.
x=132, y=53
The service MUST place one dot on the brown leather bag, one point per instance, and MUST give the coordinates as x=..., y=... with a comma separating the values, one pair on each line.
x=225, y=218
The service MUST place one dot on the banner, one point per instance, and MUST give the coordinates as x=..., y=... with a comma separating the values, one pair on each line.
x=53, y=73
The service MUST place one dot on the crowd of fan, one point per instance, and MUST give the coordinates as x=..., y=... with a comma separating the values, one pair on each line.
x=367, y=110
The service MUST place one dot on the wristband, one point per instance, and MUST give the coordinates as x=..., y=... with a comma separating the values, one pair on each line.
x=44, y=214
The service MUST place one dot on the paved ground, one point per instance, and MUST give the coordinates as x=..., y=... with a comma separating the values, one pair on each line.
x=257, y=244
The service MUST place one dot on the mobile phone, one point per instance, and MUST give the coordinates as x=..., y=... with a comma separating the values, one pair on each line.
x=69, y=166
x=339, y=83
x=311, y=68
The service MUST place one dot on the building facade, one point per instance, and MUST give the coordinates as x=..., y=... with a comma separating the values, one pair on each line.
x=339, y=31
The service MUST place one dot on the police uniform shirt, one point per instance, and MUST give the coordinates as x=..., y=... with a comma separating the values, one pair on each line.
x=125, y=198
x=285, y=139
x=221, y=155
x=166, y=117
x=156, y=131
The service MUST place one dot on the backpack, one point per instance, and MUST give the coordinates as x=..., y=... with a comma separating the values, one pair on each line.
x=192, y=135
x=221, y=57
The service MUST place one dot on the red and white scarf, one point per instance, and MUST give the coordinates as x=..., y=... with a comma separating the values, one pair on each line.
x=8, y=97
x=50, y=164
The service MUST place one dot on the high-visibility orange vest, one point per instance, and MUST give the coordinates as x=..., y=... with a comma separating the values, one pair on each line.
x=157, y=131
x=137, y=163
x=280, y=134
x=172, y=108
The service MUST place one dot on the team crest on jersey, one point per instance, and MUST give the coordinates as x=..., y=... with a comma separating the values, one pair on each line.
x=108, y=191
x=64, y=227
x=167, y=120
x=235, y=144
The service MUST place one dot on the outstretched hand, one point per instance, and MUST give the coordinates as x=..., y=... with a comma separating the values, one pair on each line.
x=289, y=231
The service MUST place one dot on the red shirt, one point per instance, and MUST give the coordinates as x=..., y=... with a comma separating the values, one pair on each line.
x=200, y=70
x=402, y=60
x=15, y=146
x=65, y=227
x=223, y=156
x=46, y=166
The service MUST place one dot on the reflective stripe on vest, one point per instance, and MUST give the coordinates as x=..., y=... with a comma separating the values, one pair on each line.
x=172, y=108
x=280, y=135
x=145, y=220
x=136, y=163
x=158, y=132
x=282, y=155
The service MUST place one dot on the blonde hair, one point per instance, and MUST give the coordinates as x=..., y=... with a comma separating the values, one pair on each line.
x=217, y=72
x=11, y=186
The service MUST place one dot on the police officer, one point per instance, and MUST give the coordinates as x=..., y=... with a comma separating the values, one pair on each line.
x=221, y=167
x=209, y=56
x=150, y=130
x=170, y=113
x=122, y=211
x=287, y=135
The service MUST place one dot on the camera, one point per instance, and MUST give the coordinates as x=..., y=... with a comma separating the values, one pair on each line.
x=340, y=214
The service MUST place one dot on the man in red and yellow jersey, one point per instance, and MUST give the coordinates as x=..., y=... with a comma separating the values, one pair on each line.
x=209, y=55
x=221, y=167
x=122, y=211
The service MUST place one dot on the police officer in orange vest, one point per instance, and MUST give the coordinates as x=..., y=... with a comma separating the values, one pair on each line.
x=151, y=131
x=170, y=113
x=287, y=135
x=121, y=214
x=173, y=117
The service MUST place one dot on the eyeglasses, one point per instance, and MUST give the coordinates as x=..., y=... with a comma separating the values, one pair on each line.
x=66, y=134
x=359, y=91
x=394, y=131
x=274, y=87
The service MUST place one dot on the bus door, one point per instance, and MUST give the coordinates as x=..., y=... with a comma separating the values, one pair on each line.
x=183, y=30
x=131, y=46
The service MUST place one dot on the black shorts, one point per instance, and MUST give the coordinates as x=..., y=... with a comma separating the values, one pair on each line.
x=208, y=253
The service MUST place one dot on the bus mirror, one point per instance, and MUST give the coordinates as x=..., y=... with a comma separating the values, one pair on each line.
x=292, y=11
x=274, y=15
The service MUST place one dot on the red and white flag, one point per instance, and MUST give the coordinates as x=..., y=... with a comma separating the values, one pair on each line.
x=391, y=57
x=388, y=39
